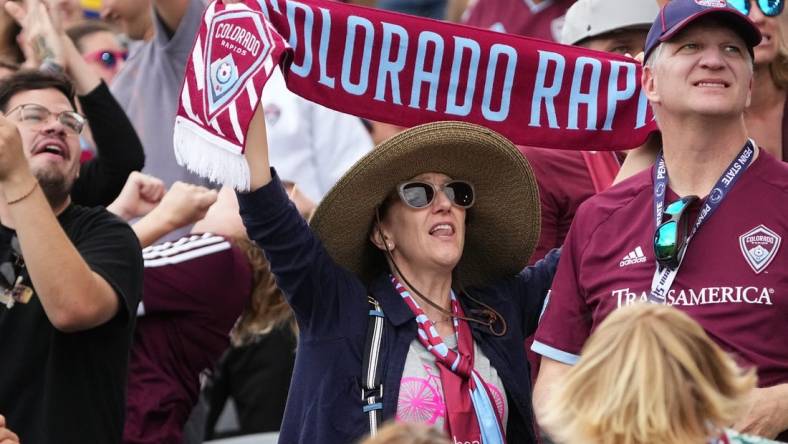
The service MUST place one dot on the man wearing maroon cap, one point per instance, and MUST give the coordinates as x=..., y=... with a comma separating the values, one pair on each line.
x=651, y=238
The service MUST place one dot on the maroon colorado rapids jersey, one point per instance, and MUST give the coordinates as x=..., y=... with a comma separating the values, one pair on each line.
x=733, y=280
x=194, y=290
x=531, y=18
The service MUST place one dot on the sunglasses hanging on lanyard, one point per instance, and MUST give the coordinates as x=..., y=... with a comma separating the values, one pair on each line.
x=672, y=236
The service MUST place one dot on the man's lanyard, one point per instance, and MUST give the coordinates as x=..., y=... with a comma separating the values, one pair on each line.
x=664, y=276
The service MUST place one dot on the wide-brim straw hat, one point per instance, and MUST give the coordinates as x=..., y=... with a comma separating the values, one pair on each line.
x=502, y=227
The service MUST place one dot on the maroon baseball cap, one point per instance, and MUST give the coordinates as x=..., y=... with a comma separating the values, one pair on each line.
x=678, y=14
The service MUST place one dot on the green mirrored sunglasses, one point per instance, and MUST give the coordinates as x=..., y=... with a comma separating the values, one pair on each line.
x=671, y=234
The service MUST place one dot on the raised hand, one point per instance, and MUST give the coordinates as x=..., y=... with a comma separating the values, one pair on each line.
x=43, y=39
x=13, y=163
x=184, y=204
x=40, y=35
x=138, y=197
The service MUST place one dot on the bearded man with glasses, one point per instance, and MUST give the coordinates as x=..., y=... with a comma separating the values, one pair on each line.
x=701, y=230
x=70, y=277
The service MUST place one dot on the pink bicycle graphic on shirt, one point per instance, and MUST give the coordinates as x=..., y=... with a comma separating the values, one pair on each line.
x=421, y=399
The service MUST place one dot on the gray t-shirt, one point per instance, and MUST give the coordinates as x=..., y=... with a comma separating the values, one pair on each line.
x=148, y=89
x=421, y=393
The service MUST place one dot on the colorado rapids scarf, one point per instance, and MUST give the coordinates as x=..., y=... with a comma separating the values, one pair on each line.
x=470, y=412
x=398, y=69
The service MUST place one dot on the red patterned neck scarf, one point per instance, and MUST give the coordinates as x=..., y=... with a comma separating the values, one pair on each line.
x=470, y=413
x=399, y=69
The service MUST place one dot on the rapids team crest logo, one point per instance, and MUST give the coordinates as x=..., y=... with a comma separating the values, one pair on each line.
x=759, y=246
x=237, y=45
x=224, y=75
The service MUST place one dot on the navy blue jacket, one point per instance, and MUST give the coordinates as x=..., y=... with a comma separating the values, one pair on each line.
x=330, y=304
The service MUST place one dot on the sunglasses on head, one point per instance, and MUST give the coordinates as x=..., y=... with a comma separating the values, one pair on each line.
x=770, y=8
x=419, y=194
x=671, y=235
x=107, y=57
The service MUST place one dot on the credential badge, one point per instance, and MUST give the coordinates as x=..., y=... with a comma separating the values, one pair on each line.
x=759, y=247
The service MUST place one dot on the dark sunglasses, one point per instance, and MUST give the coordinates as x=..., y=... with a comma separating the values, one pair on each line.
x=770, y=8
x=671, y=235
x=12, y=273
x=418, y=194
x=106, y=57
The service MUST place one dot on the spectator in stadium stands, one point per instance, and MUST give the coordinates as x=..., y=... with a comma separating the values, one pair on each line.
x=714, y=188
x=71, y=277
x=650, y=375
x=256, y=371
x=194, y=290
x=767, y=115
x=420, y=237
x=119, y=151
x=313, y=144
x=149, y=85
x=100, y=47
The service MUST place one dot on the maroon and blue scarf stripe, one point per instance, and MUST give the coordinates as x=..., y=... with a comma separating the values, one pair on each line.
x=470, y=412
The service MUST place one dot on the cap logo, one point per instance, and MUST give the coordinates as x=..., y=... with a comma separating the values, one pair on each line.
x=712, y=3
x=759, y=246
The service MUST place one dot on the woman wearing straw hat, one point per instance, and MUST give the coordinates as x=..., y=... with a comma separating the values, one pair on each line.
x=435, y=225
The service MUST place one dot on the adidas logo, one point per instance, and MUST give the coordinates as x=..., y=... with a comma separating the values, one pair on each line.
x=635, y=256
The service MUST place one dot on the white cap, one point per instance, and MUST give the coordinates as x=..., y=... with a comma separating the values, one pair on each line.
x=590, y=18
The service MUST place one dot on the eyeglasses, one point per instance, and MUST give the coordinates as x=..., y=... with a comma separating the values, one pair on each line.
x=770, y=8
x=35, y=115
x=671, y=235
x=107, y=57
x=12, y=290
x=418, y=194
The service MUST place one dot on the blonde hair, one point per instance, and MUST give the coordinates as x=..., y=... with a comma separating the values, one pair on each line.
x=408, y=433
x=268, y=308
x=778, y=68
x=648, y=375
